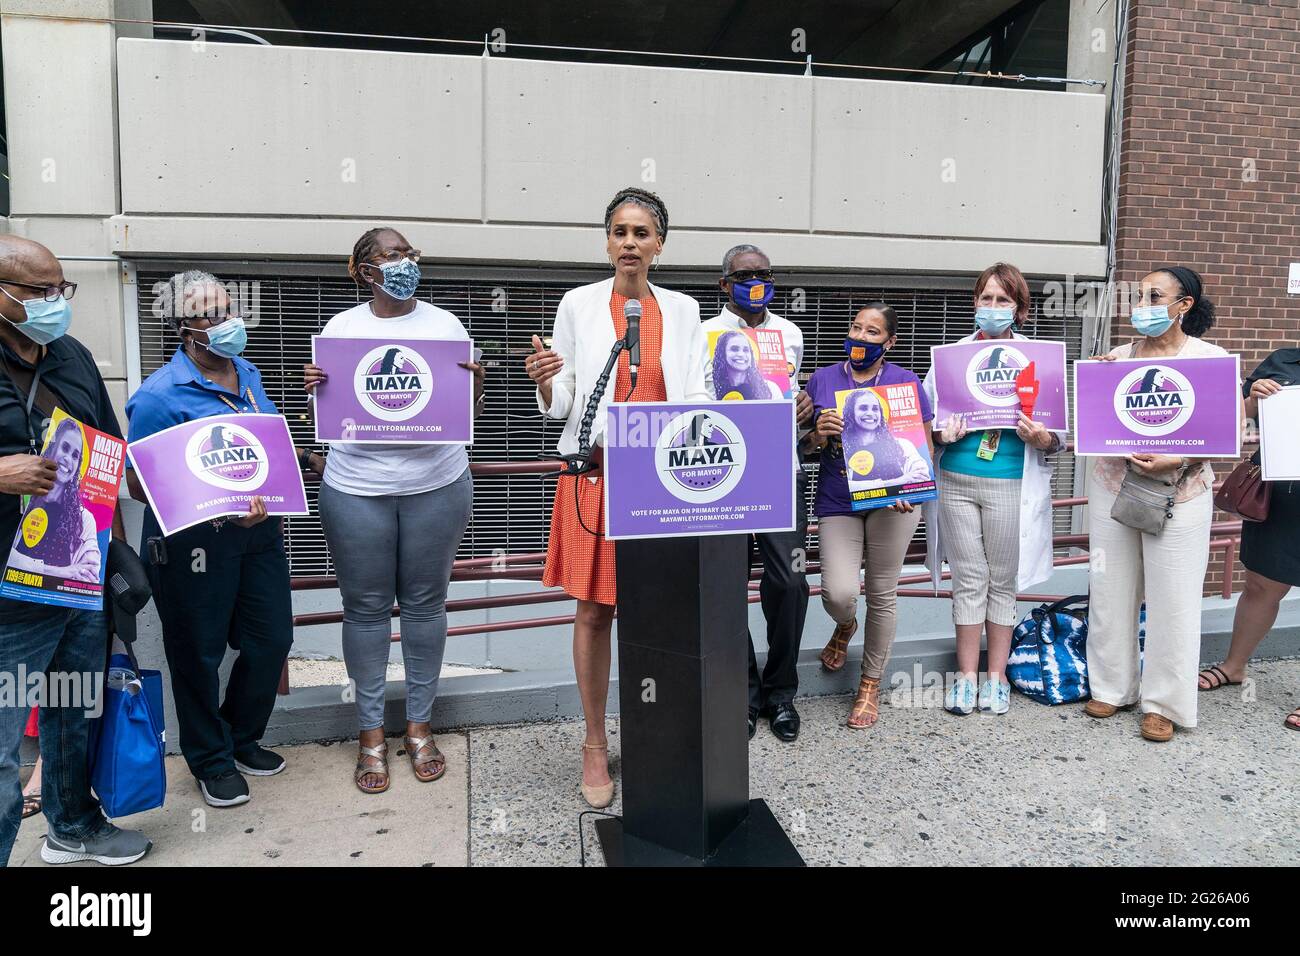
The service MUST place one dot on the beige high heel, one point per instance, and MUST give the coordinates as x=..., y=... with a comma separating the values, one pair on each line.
x=598, y=797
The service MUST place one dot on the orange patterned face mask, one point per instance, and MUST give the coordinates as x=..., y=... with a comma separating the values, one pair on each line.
x=863, y=355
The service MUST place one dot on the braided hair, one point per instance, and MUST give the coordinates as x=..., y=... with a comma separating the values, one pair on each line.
x=754, y=384
x=58, y=546
x=646, y=200
x=888, y=455
x=366, y=247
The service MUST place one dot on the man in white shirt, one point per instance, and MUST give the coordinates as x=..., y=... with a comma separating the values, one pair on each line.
x=748, y=283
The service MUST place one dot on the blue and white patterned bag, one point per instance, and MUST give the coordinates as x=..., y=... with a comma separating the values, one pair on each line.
x=1049, y=660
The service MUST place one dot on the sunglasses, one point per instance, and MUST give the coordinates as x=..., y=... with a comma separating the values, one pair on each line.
x=747, y=275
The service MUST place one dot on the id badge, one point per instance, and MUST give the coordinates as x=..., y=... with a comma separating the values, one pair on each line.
x=989, y=444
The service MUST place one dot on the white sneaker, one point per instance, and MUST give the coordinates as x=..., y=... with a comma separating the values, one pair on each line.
x=960, y=698
x=995, y=697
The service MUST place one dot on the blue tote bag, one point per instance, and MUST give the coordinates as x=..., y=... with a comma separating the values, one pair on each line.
x=128, y=772
x=1049, y=660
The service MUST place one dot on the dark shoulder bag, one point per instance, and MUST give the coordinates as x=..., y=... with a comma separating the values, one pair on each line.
x=1244, y=493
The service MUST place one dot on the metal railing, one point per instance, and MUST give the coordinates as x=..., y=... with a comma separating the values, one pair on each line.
x=491, y=47
x=1225, y=536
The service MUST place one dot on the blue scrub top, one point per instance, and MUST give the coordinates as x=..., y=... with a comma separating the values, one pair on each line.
x=179, y=392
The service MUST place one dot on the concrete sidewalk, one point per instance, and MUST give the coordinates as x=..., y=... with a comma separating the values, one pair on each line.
x=311, y=814
x=1040, y=786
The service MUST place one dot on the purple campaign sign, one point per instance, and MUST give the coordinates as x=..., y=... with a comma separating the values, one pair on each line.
x=674, y=469
x=978, y=380
x=397, y=391
x=1165, y=406
x=213, y=467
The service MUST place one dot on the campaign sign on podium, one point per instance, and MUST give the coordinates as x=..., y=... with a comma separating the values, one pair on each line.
x=686, y=483
x=699, y=468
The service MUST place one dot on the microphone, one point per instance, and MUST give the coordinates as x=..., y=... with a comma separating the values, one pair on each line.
x=581, y=462
x=632, y=311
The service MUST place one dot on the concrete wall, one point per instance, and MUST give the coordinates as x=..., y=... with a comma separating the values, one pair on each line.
x=538, y=147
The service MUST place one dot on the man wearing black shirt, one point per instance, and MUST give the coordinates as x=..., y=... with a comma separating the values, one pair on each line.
x=40, y=366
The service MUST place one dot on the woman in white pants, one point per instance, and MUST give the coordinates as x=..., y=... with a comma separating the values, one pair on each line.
x=1167, y=570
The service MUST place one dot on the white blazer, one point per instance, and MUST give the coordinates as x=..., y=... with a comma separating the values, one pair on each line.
x=1035, y=509
x=583, y=336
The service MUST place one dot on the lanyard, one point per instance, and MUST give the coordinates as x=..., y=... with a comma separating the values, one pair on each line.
x=27, y=417
x=248, y=393
x=874, y=382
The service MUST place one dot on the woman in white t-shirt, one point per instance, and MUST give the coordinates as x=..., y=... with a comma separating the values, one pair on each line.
x=393, y=516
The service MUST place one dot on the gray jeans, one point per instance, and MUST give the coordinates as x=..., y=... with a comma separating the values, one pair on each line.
x=395, y=547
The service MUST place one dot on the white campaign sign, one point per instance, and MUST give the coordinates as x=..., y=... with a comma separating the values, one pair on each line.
x=1279, y=451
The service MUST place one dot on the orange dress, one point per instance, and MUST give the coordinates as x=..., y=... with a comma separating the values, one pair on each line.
x=581, y=562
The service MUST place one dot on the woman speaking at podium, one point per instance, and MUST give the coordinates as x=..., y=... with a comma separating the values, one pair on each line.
x=590, y=319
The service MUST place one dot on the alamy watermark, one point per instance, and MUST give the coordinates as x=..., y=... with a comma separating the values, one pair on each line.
x=74, y=690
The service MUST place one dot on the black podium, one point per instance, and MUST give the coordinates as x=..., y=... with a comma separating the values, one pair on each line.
x=683, y=675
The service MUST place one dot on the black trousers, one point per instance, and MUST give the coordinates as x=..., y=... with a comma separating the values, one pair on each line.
x=222, y=587
x=783, y=592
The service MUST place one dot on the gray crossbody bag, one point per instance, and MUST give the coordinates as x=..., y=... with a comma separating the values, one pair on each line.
x=1146, y=503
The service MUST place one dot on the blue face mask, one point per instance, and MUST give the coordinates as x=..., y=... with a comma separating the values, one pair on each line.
x=46, y=321
x=227, y=339
x=752, y=296
x=993, y=321
x=1151, y=320
x=863, y=355
x=400, y=278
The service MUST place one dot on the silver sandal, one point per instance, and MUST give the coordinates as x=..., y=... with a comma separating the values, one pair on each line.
x=363, y=769
x=418, y=763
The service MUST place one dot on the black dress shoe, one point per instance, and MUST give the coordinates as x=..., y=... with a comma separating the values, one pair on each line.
x=785, y=722
x=753, y=723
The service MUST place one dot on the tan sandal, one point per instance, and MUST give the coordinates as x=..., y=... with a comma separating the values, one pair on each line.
x=866, y=709
x=363, y=769
x=598, y=798
x=1292, y=720
x=419, y=760
x=836, y=652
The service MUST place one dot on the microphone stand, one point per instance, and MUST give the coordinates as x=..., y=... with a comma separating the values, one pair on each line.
x=581, y=463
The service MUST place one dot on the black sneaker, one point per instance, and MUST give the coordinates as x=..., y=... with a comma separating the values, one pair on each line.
x=225, y=790
x=259, y=762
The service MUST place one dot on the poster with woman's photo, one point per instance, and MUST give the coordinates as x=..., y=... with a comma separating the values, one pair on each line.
x=58, y=554
x=749, y=364
x=886, y=457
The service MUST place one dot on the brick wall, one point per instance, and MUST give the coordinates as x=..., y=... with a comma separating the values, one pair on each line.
x=1210, y=166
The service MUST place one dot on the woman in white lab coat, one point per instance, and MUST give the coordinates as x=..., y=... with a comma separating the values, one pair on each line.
x=992, y=521
x=674, y=351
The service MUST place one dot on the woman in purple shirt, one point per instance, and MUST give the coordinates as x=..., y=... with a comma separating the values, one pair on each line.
x=881, y=535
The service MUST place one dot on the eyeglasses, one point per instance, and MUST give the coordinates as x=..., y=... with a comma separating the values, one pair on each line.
x=413, y=255
x=51, y=292
x=215, y=318
x=746, y=275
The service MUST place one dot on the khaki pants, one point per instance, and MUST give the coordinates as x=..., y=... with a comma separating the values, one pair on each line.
x=1167, y=570
x=882, y=535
